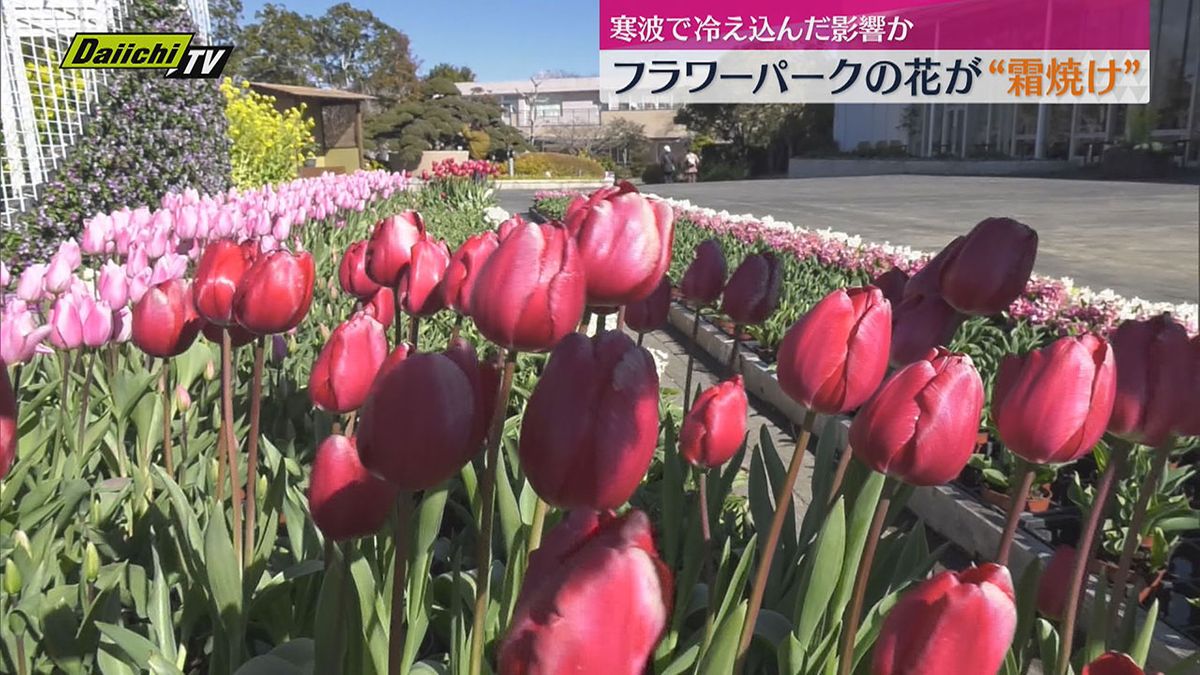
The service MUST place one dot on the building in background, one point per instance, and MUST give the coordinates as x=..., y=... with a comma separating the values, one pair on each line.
x=567, y=113
x=337, y=123
x=1079, y=133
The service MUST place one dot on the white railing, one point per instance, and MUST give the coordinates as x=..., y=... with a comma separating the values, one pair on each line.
x=43, y=108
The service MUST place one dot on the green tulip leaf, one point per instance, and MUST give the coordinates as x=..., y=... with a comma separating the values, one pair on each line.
x=822, y=566
x=1140, y=649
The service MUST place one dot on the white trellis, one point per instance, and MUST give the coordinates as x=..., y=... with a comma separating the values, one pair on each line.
x=43, y=108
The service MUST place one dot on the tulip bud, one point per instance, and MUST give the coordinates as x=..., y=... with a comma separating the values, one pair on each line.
x=650, y=313
x=891, y=283
x=12, y=578
x=920, y=323
x=8, y=422
x=624, y=242
x=1051, y=405
x=928, y=279
x=430, y=399
x=715, y=427
x=591, y=424
x=165, y=322
x=565, y=618
x=530, y=292
x=952, y=624
x=345, y=500
x=1113, y=663
x=381, y=306
x=344, y=370
x=1153, y=361
x=991, y=267
x=835, y=356
x=91, y=563
x=97, y=320
x=922, y=423
x=752, y=293
x=463, y=270
x=1055, y=582
x=390, y=245
x=210, y=370
x=67, y=323
x=352, y=272
x=183, y=400
x=705, y=277
x=220, y=270
x=21, y=541
x=276, y=292
x=279, y=348
x=420, y=286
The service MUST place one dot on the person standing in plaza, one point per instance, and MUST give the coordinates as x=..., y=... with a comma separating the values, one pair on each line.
x=667, y=162
x=691, y=166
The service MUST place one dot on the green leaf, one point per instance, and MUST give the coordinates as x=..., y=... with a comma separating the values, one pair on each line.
x=1026, y=590
x=135, y=647
x=824, y=466
x=737, y=582
x=722, y=654
x=1140, y=649
x=160, y=611
x=224, y=581
x=859, y=525
x=672, y=495
x=507, y=509
x=1047, y=638
x=822, y=566
x=1097, y=631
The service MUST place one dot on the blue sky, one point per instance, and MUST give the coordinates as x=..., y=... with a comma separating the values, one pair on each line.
x=498, y=39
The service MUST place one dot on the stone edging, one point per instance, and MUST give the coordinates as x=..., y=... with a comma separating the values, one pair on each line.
x=947, y=509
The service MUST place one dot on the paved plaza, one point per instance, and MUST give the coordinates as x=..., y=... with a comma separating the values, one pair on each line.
x=1140, y=239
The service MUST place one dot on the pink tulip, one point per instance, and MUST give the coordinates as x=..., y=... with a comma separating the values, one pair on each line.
x=29, y=287
x=19, y=334
x=97, y=320
x=67, y=324
x=96, y=234
x=58, y=275
x=113, y=285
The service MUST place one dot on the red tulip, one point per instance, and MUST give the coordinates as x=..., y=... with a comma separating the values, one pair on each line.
x=165, y=322
x=928, y=279
x=238, y=336
x=596, y=600
x=1154, y=374
x=530, y=292
x=390, y=245
x=920, y=323
x=420, y=286
x=1189, y=424
x=715, y=427
x=591, y=424
x=220, y=270
x=835, y=356
x=464, y=270
x=346, y=501
x=752, y=293
x=352, y=272
x=485, y=382
x=922, y=423
x=381, y=306
x=704, y=279
x=891, y=283
x=1055, y=582
x=1051, y=405
x=954, y=623
x=342, y=375
x=650, y=313
x=991, y=267
x=417, y=426
x=1113, y=663
x=624, y=242
x=506, y=228
x=276, y=292
x=8, y=422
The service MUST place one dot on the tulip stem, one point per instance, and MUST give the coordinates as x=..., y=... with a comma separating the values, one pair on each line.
x=487, y=493
x=1079, y=568
x=535, y=530
x=221, y=460
x=733, y=349
x=404, y=509
x=168, y=454
x=641, y=337
x=84, y=399
x=691, y=365
x=783, y=503
x=705, y=544
x=839, y=474
x=414, y=331
x=260, y=351
x=621, y=318
x=854, y=612
x=398, y=312
x=585, y=322
x=231, y=446
x=1016, y=507
x=1133, y=535
x=351, y=418
x=458, y=322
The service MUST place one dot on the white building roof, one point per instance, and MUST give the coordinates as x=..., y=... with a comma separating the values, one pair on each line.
x=547, y=86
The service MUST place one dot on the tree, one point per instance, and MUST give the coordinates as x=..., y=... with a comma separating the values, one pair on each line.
x=225, y=18
x=451, y=72
x=623, y=139
x=439, y=119
x=762, y=136
x=345, y=48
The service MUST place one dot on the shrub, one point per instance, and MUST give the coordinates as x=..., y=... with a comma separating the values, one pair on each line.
x=267, y=146
x=557, y=165
x=653, y=173
x=723, y=171
x=146, y=136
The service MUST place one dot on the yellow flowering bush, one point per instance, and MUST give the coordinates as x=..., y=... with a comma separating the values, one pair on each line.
x=268, y=146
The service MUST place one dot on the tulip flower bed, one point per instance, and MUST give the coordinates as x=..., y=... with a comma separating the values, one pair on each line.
x=394, y=450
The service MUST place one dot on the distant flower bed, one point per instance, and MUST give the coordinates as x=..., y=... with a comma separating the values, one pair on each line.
x=1053, y=302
